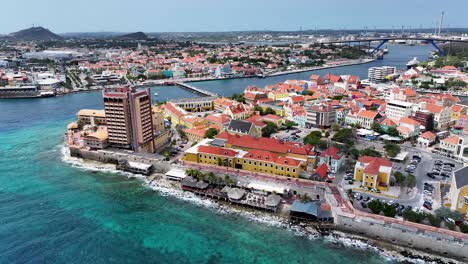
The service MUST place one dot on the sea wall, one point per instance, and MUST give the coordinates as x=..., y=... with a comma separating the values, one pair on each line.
x=113, y=157
x=446, y=244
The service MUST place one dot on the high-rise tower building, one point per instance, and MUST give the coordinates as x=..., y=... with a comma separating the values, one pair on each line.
x=129, y=118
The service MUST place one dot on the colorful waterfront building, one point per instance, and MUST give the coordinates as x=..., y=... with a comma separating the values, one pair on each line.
x=259, y=161
x=373, y=172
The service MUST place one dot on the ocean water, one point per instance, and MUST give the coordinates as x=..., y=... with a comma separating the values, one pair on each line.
x=53, y=212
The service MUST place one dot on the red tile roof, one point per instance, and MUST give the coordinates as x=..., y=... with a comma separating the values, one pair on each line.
x=268, y=156
x=428, y=134
x=374, y=164
x=368, y=114
x=322, y=170
x=268, y=144
x=452, y=140
x=410, y=121
x=433, y=108
x=332, y=152
x=217, y=151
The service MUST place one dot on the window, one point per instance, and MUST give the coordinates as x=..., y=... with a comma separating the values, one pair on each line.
x=466, y=199
x=287, y=169
x=294, y=170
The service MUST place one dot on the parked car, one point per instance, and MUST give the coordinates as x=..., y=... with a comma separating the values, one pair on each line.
x=450, y=164
x=427, y=206
x=364, y=205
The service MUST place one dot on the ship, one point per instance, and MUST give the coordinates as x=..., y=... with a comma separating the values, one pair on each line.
x=412, y=63
x=25, y=91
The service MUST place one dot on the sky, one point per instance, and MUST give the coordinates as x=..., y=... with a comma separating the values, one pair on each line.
x=62, y=16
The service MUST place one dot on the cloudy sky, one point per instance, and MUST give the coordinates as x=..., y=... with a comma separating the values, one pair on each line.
x=227, y=15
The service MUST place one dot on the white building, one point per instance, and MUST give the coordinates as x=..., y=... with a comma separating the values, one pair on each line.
x=397, y=109
x=378, y=74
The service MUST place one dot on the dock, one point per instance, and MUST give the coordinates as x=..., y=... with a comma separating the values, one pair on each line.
x=195, y=89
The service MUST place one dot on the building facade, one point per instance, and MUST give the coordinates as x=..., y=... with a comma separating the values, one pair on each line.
x=397, y=109
x=129, y=118
x=373, y=172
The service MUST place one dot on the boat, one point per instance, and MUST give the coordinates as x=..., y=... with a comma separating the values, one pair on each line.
x=412, y=63
x=385, y=50
x=156, y=94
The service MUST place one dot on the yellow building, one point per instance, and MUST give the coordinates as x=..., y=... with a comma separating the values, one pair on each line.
x=457, y=111
x=278, y=94
x=459, y=191
x=174, y=113
x=253, y=160
x=193, y=121
x=91, y=117
x=373, y=172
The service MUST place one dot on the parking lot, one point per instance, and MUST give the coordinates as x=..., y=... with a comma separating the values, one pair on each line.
x=294, y=134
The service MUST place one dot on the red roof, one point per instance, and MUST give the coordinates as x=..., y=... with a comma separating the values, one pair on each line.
x=374, y=164
x=268, y=156
x=428, y=134
x=332, y=152
x=322, y=170
x=368, y=114
x=452, y=140
x=268, y=144
x=433, y=108
x=218, y=118
x=410, y=121
x=217, y=151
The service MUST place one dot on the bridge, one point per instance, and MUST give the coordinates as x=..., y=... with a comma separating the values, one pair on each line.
x=430, y=39
x=195, y=89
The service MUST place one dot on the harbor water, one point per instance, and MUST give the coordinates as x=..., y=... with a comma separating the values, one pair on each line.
x=54, y=212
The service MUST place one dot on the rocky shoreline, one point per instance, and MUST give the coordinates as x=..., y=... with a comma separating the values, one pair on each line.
x=335, y=238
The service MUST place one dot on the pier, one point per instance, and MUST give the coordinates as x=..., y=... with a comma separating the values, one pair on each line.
x=195, y=89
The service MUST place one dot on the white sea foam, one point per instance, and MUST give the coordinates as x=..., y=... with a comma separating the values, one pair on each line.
x=167, y=188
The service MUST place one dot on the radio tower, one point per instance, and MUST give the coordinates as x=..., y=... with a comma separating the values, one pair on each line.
x=440, y=23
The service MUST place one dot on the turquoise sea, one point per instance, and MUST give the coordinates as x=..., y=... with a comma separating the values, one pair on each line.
x=52, y=212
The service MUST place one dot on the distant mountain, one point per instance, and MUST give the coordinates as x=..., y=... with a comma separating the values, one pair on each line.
x=133, y=36
x=34, y=33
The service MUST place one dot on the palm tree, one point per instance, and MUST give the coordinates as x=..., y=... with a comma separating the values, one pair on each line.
x=211, y=177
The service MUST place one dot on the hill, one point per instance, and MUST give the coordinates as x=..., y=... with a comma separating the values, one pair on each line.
x=133, y=36
x=34, y=33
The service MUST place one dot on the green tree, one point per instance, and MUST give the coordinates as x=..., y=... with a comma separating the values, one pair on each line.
x=370, y=152
x=399, y=178
x=269, y=129
x=258, y=109
x=211, y=133
x=166, y=155
x=344, y=135
x=410, y=181
x=392, y=131
x=389, y=210
x=464, y=228
x=413, y=216
x=445, y=212
x=392, y=149
x=335, y=126
x=434, y=220
x=377, y=128
x=269, y=111
x=375, y=206
x=322, y=144
x=288, y=124
x=313, y=138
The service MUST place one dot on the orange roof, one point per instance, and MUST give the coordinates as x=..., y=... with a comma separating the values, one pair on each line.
x=452, y=140
x=218, y=118
x=388, y=122
x=217, y=151
x=404, y=130
x=428, y=134
x=374, y=164
x=368, y=114
x=457, y=108
x=410, y=121
x=433, y=108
